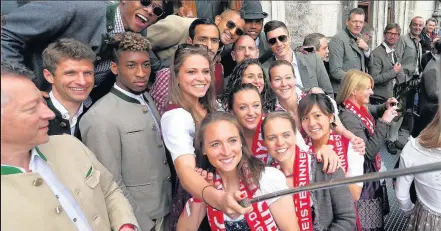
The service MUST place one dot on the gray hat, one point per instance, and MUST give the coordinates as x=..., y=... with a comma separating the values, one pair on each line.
x=252, y=9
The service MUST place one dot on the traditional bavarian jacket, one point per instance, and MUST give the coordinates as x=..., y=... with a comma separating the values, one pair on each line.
x=29, y=203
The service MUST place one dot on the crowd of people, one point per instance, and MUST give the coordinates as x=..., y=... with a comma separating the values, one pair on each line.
x=121, y=116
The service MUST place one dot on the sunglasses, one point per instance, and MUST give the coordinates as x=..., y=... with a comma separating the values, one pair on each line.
x=157, y=10
x=281, y=38
x=231, y=25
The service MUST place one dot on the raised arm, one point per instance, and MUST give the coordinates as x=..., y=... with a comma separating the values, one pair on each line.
x=374, y=142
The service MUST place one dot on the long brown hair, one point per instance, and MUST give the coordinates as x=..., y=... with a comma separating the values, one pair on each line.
x=208, y=101
x=255, y=166
x=430, y=137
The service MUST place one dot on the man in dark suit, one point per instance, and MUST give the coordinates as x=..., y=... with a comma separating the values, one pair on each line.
x=309, y=69
x=32, y=27
x=347, y=49
x=68, y=67
x=386, y=71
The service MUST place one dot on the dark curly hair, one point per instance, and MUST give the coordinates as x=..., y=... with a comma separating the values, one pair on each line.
x=235, y=80
x=128, y=41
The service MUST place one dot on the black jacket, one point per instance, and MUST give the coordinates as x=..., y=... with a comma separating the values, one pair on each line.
x=59, y=126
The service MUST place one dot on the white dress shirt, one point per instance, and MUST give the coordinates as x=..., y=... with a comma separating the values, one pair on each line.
x=296, y=69
x=427, y=185
x=64, y=196
x=65, y=113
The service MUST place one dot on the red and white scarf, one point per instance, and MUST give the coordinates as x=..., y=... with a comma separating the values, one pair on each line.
x=367, y=120
x=340, y=145
x=258, y=147
x=302, y=201
x=260, y=219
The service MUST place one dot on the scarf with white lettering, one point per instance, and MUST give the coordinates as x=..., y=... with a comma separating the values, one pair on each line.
x=340, y=145
x=258, y=148
x=260, y=219
x=368, y=121
x=302, y=201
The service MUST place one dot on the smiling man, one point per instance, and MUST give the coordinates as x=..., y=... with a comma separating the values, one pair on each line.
x=68, y=67
x=309, y=69
x=50, y=183
x=33, y=26
x=124, y=132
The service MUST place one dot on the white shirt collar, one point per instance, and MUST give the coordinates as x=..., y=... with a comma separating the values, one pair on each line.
x=34, y=156
x=257, y=42
x=388, y=49
x=131, y=95
x=294, y=60
x=62, y=109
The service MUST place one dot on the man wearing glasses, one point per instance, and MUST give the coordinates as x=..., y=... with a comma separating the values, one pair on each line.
x=32, y=27
x=309, y=68
x=386, y=71
x=172, y=31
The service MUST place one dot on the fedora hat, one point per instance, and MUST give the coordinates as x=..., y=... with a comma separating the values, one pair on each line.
x=252, y=9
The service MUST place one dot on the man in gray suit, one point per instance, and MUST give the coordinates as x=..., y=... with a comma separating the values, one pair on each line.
x=386, y=71
x=409, y=52
x=123, y=131
x=347, y=49
x=32, y=27
x=309, y=69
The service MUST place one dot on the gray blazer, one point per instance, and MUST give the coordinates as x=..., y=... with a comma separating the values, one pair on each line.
x=344, y=55
x=408, y=55
x=333, y=210
x=123, y=136
x=312, y=71
x=354, y=124
x=32, y=27
x=382, y=70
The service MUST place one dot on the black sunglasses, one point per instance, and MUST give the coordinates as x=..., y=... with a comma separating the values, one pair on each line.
x=157, y=10
x=281, y=38
x=231, y=25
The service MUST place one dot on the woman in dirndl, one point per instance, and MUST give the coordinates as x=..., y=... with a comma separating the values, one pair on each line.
x=425, y=149
x=222, y=150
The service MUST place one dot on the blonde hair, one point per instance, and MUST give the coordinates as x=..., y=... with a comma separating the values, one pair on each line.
x=430, y=137
x=353, y=80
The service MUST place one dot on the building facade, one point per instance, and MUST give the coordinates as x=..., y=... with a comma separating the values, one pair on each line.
x=328, y=17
